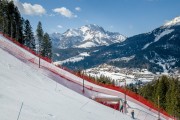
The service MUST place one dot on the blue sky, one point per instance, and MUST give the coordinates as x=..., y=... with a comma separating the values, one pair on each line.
x=128, y=17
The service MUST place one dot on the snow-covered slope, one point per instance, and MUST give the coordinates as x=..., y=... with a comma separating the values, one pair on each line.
x=86, y=36
x=43, y=98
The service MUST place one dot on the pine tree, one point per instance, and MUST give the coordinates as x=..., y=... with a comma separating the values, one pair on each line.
x=10, y=17
x=1, y=16
x=40, y=35
x=4, y=23
x=46, y=46
x=161, y=90
x=29, y=40
x=175, y=98
x=18, y=25
x=169, y=102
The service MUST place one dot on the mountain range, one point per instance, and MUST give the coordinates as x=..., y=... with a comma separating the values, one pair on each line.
x=86, y=36
x=157, y=51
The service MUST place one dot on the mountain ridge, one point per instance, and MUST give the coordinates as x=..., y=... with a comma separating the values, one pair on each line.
x=157, y=51
x=85, y=37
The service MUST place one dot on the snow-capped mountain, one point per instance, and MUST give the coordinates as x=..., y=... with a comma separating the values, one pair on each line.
x=86, y=36
x=175, y=21
x=158, y=50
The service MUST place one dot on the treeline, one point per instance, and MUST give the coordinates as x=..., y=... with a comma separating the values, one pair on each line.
x=12, y=24
x=102, y=79
x=168, y=90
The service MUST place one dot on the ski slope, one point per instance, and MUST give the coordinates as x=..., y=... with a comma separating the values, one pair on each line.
x=52, y=93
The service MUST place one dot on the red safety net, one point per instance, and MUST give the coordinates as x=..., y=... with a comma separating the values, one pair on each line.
x=111, y=105
x=26, y=48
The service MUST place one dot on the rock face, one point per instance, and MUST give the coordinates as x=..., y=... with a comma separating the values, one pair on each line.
x=85, y=37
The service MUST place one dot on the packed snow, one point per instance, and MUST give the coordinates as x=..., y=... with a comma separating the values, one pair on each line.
x=42, y=97
x=46, y=95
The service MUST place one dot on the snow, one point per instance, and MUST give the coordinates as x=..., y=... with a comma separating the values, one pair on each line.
x=175, y=21
x=88, y=36
x=84, y=54
x=86, y=45
x=42, y=100
x=73, y=59
x=119, y=75
x=158, y=37
x=168, y=31
x=47, y=96
x=124, y=58
x=57, y=54
x=84, y=29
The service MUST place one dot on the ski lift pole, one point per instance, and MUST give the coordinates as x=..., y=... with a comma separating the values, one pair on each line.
x=20, y=111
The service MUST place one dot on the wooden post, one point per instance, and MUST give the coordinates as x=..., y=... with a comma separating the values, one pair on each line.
x=158, y=109
x=83, y=81
x=125, y=91
x=39, y=60
x=20, y=111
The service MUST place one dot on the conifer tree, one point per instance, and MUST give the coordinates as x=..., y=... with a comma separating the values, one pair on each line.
x=4, y=23
x=47, y=46
x=1, y=16
x=40, y=35
x=161, y=91
x=28, y=35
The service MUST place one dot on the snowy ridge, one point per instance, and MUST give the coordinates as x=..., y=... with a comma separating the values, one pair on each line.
x=86, y=36
x=158, y=37
x=175, y=21
x=41, y=85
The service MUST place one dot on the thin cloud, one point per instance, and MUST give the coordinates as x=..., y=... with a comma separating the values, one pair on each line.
x=29, y=9
x=130, y=27
x=78, y=9
x=60, y=26
x=111, y=26
x=65, y=12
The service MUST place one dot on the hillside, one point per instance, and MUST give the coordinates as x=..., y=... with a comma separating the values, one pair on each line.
x=157, y=51
x=42, y=97
x=45, y=92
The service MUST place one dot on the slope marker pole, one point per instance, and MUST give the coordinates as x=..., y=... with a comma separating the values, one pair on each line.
x=20, y=111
